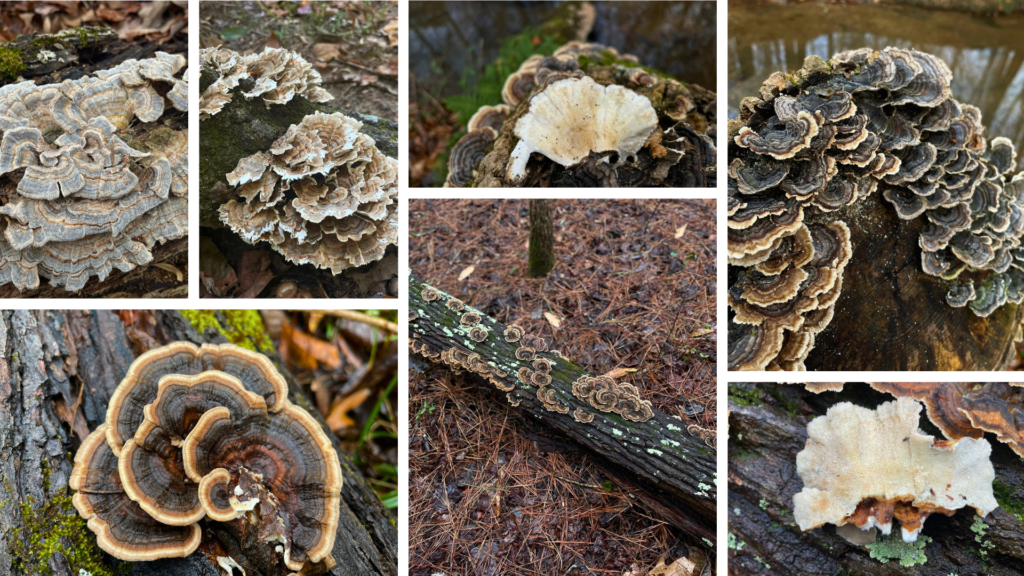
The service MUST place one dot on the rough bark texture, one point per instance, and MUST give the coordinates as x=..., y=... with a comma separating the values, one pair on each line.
x=673, y=471
x=768, y=427
x=245, y=127
x=892, y=316
x=542, y=238
x=48, y=359
x=78, y=52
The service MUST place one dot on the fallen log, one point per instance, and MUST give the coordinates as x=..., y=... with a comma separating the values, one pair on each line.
x=671, y=467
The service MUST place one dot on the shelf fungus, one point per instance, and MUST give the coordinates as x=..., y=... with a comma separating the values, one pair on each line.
x=278, y=75
x=207, y=434
x=589, y=116
x=92, y=184
x=968, y=410
x=816, y=142
x=865, y=467
x=606, y=395
x=322, y=195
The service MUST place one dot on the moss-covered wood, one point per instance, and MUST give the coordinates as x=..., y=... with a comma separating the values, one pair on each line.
x=768, y=427
x=58, y=367
x=673, y=471
x=244, y=127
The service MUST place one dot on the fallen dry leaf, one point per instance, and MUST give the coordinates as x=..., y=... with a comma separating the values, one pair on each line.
x=701, y=332
x=306, y=351
x=466, y=272
x=391, y=31
x=681, y=567
x=170, y=268
x=680, y=231
x=326, y=52
x=553, y=320
x=273, y=42
x=254, y=273
x=338, y=418
x=618, y=372
x=389, y=69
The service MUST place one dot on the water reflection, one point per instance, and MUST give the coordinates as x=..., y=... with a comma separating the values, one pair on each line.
x=447, y=37
x=986, y=55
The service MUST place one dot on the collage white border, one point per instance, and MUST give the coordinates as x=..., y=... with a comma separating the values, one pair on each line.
x=719, y=194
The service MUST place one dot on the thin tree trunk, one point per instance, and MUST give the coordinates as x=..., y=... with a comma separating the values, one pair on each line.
x=58, y=367
x=542, y=238
x=768, y=427
x=673, y=471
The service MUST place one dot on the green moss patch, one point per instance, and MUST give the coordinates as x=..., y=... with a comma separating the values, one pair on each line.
x=241, y=327
x=11, y=63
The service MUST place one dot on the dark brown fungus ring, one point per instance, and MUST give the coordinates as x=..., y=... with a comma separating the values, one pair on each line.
x=123, y=529
x=488, y=116
x=820, y=139
x=540, y=379
x=513, y=333
x=140, y=386
x=466, y=154
x=478, y=334
x=469, y=319
x=144, y=499
x=455, y=304
x=524, y=375
x=429, y=294
x=239, y=462
x=525, y=353
x=512, y=399
x=542, y=365
x=552, y=403
x=583, y=416
x=535, y=342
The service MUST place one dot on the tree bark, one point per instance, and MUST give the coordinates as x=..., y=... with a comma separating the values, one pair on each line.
x=768, y=427
x=59, y=367
x=542, y=238
x=674, y=471
x=892, y=316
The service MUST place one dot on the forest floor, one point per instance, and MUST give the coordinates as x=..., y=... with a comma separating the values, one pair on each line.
x=633, y=295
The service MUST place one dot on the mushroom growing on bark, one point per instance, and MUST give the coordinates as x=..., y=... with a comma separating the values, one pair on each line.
x=589, y=123
x=85, y=202
x=203, y=434
x=865, y=467
x=830, y=135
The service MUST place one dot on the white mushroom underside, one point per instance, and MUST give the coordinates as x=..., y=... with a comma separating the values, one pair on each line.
x=573, y=117
x=854, y=453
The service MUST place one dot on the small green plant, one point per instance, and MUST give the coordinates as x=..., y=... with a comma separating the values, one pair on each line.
x=894, y=548
x=11, y=62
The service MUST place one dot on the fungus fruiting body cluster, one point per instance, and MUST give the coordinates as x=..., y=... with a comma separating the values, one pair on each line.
x=594, y=127
x=323, y=194
x=531, y=367
x=207, y=433
x=817, y=141
x=864, y=467
x=81, y=201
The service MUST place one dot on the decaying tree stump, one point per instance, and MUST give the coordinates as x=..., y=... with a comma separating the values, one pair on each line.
x=58, y=367
x=672, y=470
x=768, y=427
x=892, y=316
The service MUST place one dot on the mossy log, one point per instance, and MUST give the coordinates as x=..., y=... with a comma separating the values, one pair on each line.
x=672, y=471
x=244, y=127
x=58, y=367
x=892, y=316
x=768, y=427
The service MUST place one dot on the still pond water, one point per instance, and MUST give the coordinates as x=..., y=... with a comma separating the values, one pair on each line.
x=986, y=55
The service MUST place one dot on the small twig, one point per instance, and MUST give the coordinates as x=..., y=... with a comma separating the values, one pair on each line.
x=365, y=319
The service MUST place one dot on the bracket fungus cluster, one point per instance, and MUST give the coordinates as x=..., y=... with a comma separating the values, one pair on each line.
x=323, y=194
x=80, y=199
x=208, y=433
x=968, y=410
x=865, y=467
x=278, y=75
x=529, y=365
x=817, y=141
x=578, y=122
